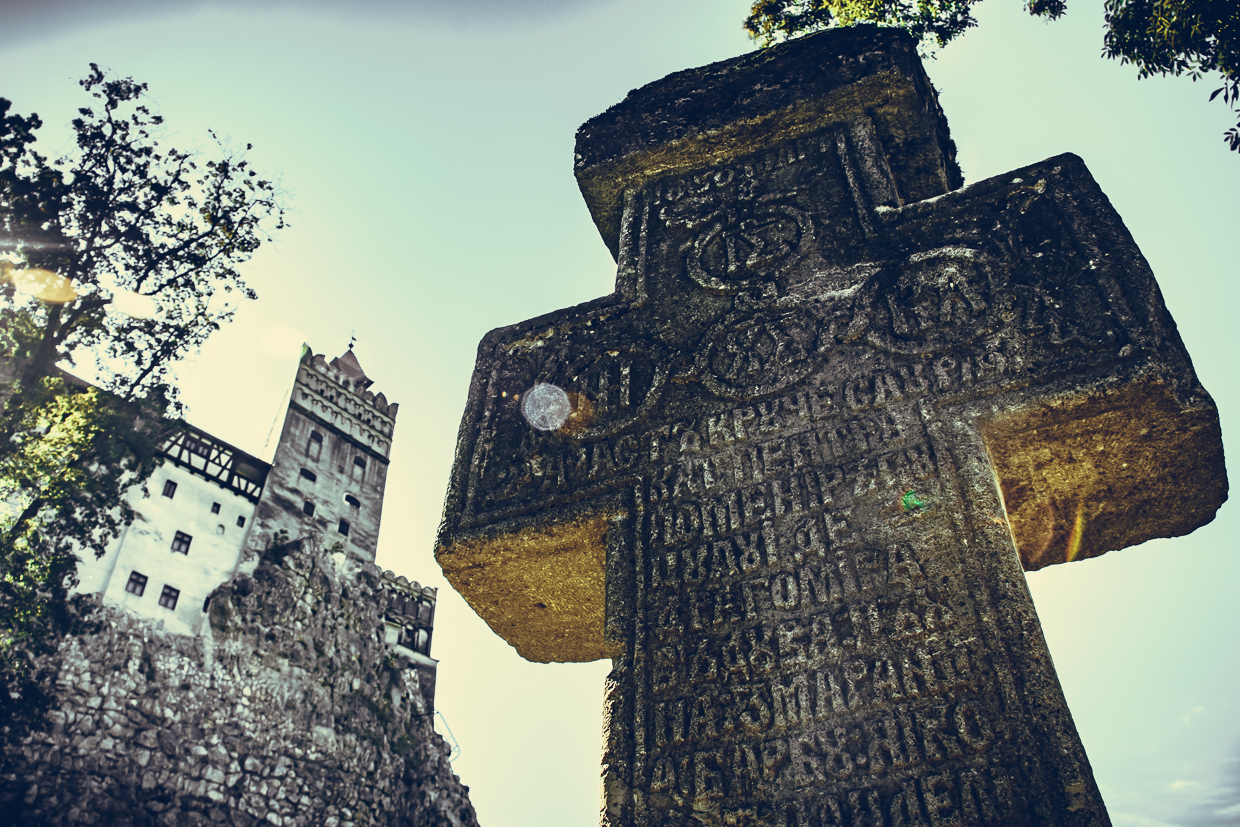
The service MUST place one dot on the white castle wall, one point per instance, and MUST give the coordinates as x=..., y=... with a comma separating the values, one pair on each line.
x=145, y=547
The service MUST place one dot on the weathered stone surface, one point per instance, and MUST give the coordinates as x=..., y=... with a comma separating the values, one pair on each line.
x=829, y=413
x=701, y=118
x=291, y=710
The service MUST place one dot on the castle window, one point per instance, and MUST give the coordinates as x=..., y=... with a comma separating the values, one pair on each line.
x=307, y=474
x=170, y=488
x=197, y=445
x=219, y=529
x=308, y=509
x=215, y=508
x=343, y=528
x=416, y=639
x=181, y=541
x=241, y=522
x=315, y=446
x=359, y=468
x=352, y=501
x=168, y=598
x=137, y=583
x=247, y=471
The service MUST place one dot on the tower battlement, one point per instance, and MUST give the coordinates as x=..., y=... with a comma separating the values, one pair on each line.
x=337, y=393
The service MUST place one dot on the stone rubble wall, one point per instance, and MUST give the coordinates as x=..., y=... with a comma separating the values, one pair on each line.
x=288, y=710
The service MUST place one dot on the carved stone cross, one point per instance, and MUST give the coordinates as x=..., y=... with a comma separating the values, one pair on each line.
x=788, y=474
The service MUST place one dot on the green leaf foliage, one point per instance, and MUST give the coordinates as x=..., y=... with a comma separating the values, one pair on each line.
x=120, y=258
x=1160, y=37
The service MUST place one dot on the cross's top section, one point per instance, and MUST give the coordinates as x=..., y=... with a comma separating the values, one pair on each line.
x=709, y=116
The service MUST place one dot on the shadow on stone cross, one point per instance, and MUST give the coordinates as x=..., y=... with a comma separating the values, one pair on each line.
x=788, y=474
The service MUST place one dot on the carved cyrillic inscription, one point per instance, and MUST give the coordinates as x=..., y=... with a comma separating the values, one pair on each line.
x=798, y=637
x=809, y=426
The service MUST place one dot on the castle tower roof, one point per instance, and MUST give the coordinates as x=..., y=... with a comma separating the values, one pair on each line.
x=350, y=367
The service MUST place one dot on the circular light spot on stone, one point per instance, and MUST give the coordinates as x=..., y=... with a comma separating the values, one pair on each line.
x=546, y=406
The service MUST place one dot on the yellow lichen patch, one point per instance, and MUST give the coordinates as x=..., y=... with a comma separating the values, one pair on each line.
x=582, y=416
x=540, y=587
x=1086, y=474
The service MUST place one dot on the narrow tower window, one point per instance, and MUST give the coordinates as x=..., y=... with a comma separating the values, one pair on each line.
x=359, y=468
x=315, y=446
x=343, y=528
x=353, y=501
x=307, y=474
x=308, y=509
x=170, y=489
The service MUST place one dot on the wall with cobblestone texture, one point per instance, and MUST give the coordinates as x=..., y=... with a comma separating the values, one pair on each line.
x=288, y=710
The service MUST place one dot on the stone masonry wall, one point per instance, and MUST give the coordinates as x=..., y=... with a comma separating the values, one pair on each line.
x=288, y=710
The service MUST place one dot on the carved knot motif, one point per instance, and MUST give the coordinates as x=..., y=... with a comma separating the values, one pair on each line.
x=738, y=238
x=756, y=354
x=932, y=300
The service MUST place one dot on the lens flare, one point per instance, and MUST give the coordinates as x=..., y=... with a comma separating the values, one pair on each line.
x=44, y=285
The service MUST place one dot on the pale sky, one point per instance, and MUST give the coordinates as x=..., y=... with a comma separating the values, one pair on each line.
x=428, y=157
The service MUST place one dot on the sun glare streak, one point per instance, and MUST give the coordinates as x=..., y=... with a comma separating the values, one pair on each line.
x=1078, y=531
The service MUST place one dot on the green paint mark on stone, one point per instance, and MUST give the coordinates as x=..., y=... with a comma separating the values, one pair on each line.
x=911, y=502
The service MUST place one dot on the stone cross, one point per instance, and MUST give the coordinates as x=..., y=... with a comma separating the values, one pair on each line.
x=788, y=474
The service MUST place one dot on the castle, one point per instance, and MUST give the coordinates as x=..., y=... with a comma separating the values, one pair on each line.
x=235, y=656
x=204, y=515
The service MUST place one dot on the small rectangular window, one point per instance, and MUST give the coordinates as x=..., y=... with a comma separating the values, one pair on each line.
x=170, y=488
x=359, y=468
x=215, y=508
x=168, y=599
x=307, y=474
x=308, y=509
x=241, y=522
x=343, y=528
x=197, y=445
x=181, y=541
x=136, y=584
x=353, y=501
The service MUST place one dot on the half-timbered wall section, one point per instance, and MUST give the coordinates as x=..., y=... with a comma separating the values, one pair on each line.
x=218, y=461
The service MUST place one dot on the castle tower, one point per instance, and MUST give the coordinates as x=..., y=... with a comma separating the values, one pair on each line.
x=330, y=465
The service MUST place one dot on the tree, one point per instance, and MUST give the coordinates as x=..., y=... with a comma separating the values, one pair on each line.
x=120, y=259
x=1160, y=37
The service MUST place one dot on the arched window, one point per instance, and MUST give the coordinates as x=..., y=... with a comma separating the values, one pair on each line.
x=353, y=501
x=315, y=446
x=359, y=468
